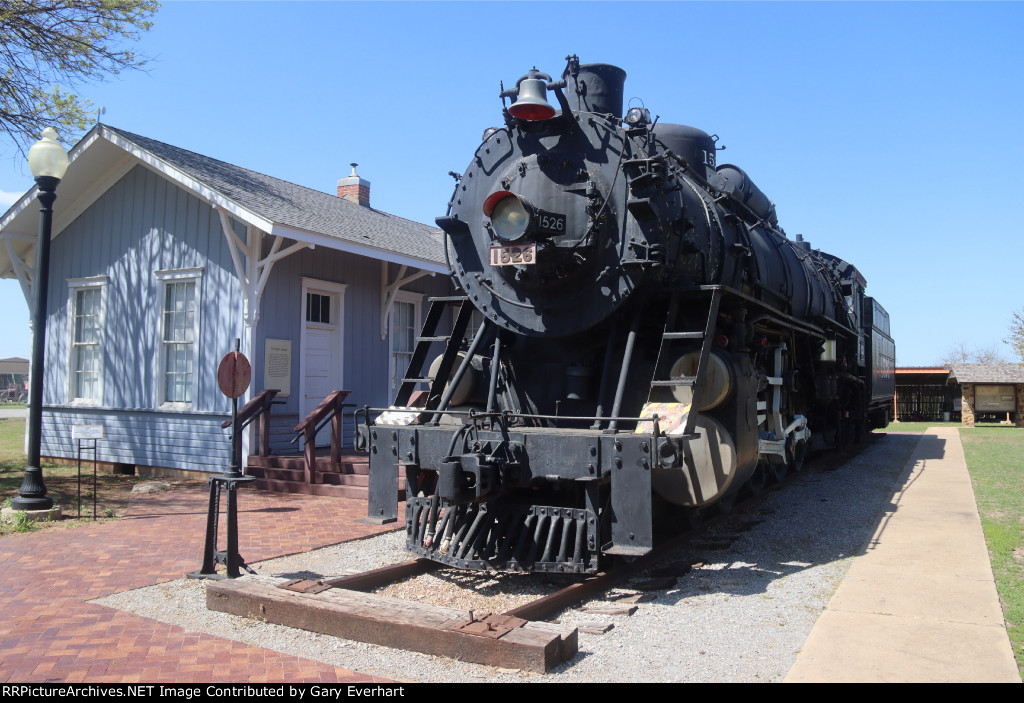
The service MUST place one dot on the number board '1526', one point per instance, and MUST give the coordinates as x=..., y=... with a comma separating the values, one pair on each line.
x=514, y=255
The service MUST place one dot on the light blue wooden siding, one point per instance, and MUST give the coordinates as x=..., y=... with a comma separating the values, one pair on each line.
x=145, y=224
x=141, y=225
x=365, y=354
x=176, y=440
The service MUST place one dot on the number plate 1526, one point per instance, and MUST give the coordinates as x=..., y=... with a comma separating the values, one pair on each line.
x=514, y=255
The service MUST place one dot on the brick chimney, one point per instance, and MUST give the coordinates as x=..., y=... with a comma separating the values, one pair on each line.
x=355, y=189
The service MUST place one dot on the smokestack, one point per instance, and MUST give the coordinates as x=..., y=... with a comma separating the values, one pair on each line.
x=354, y=188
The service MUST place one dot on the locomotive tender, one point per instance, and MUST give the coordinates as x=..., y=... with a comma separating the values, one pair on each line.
x=634, y=332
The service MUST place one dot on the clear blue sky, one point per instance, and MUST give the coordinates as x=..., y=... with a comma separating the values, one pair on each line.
x=886, y=133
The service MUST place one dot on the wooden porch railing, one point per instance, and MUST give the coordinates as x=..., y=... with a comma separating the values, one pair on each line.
x=257, y=407
x=331, y=407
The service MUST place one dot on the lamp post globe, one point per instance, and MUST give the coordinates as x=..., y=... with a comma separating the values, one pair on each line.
x=48, y=162
x=47, y=158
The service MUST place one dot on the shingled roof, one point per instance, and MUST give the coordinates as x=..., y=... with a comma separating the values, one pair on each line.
x=274, y=206
x=294, y=206
x=987, y=373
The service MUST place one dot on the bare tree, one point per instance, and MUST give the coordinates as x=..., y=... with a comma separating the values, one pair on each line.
x=1016, y=339
x=50, y=46
x=957, y=353
x=961, y=353
x=988, y=355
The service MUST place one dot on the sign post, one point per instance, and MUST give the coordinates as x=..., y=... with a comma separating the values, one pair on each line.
x=233, y=376
x=87, y=433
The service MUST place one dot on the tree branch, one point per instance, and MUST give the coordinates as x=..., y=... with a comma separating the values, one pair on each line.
x=47, y=44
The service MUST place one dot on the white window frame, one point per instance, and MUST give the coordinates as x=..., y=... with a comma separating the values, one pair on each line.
x=75, y=286
x=163, y=279
x=416, y=299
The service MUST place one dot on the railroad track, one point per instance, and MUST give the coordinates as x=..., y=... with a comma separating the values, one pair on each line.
x=520, y=637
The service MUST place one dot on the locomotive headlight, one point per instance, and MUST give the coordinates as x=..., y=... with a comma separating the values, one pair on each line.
x=510, y=219
x=510, y=215
x=638, y=116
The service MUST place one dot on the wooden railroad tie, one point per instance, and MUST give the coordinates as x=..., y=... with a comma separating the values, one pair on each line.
x=480, y=638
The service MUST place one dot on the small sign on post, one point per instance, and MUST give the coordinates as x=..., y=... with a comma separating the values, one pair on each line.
x=87, y=432
x=234, y=374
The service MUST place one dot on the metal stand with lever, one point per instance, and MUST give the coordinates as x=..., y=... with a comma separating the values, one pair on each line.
x=233, y=375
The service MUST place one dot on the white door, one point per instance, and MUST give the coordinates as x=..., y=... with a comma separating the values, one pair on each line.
x=321, y=363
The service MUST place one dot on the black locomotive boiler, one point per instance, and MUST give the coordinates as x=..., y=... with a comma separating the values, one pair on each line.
x=633, y=331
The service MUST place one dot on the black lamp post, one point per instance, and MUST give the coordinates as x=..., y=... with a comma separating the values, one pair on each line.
x=48, y=162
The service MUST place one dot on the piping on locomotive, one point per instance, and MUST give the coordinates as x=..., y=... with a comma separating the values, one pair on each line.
x=633, y=330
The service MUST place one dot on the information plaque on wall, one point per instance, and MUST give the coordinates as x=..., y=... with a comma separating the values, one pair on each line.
x=277, y=366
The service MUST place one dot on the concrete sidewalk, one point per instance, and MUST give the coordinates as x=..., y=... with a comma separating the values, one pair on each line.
x=919, y=604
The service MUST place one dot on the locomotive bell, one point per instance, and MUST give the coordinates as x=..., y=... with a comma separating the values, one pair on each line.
x=532, y=103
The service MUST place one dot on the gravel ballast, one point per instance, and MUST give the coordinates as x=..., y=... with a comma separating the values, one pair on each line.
x=738, y=613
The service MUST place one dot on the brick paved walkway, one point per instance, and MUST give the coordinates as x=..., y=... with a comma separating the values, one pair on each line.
x=49, y=632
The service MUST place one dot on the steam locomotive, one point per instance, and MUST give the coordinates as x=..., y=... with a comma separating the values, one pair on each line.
x=634, y=334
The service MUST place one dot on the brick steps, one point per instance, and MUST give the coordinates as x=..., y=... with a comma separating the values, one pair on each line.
x=316, y=489
x=335, y=478
x=350, y=463
x=348, y=478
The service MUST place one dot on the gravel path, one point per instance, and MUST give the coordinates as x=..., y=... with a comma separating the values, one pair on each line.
x=739, y=613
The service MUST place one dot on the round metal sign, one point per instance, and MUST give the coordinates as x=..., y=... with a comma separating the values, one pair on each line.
x=234, y=374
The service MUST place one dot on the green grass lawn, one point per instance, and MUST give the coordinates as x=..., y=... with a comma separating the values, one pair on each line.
x=12, y=458
x=995, y=460
x=915, y=427
x=61, y=480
